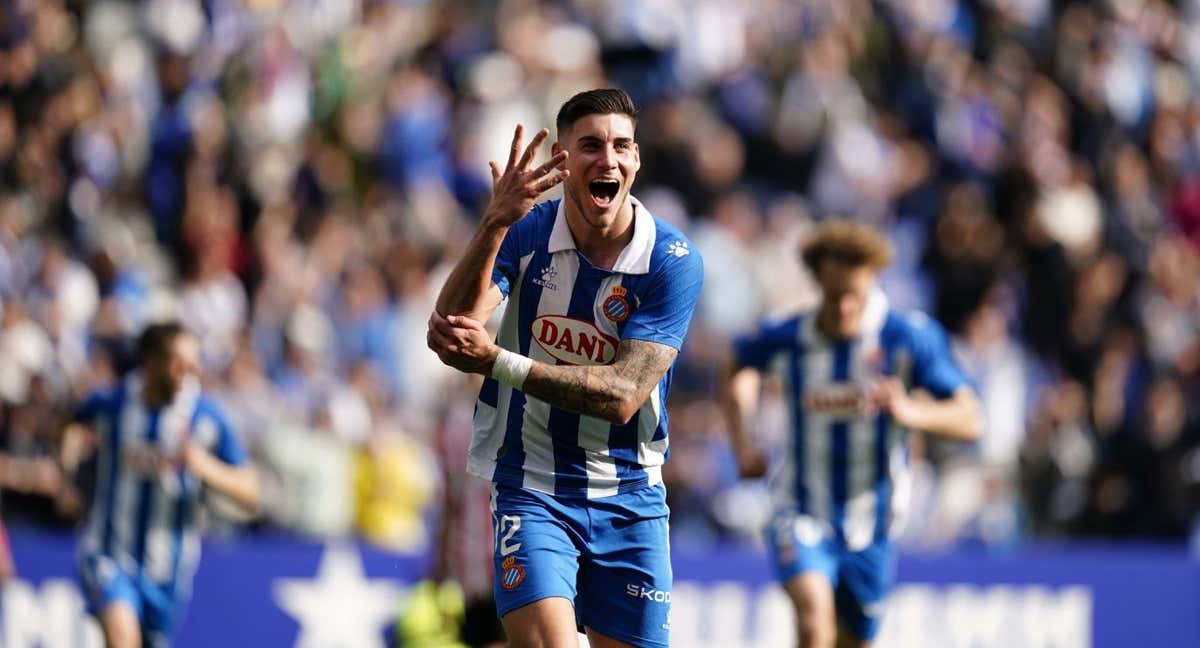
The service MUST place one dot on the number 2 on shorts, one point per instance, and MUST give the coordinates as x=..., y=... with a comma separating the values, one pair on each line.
x=514, y=523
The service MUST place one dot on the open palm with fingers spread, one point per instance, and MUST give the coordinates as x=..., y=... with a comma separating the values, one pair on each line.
x=515, y=190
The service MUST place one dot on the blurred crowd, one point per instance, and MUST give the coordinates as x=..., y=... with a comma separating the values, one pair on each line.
x=293, y=179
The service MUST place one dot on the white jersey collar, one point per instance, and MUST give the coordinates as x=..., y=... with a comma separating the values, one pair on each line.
x=634, y=259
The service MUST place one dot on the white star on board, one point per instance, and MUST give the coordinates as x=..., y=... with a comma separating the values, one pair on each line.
x=339, y=608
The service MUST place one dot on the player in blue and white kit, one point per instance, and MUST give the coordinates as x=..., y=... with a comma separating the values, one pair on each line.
x=160, y=442
x=849, y=372
x=570, y=424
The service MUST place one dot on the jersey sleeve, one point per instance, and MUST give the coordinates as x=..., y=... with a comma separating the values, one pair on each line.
x=517, y=243
x=666, y=309
x=933, y=367
x=758, y=348
x=212, y=430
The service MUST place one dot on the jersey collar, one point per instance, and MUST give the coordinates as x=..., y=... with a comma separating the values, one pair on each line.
x=634, y=259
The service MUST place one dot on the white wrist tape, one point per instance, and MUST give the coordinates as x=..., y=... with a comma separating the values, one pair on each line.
x=511, y=368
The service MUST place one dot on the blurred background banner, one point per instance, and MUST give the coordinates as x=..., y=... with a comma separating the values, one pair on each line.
x=283, y=591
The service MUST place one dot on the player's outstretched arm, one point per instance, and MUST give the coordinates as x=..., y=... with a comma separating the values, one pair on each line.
x=469, y=290
x=239, y=483
x=613, y=392
x=958, y=417
x=739, y=401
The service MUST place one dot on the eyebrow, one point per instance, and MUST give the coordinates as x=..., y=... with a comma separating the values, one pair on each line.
x=598, y=139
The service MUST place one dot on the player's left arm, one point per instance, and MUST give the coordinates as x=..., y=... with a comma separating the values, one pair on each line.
x=614, y=392
x=957, y=417
x=239, y=483
x=225, y=469
x=953, y=411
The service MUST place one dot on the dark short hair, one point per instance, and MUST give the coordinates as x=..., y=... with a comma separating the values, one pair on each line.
x=605, y=101
x=156, y=339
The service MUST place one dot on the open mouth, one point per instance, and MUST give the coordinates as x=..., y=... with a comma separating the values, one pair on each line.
x=603, y=191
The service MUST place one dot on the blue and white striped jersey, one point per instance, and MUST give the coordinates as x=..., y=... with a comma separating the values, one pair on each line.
x=846, y=465
x=563, y=310
x=143, y=521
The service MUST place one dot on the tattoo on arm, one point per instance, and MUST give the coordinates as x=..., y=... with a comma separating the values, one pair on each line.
x=612, y=392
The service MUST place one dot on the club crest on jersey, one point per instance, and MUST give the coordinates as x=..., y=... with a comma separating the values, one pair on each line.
x=573, y=341
x=512, y=575
x=616, y=307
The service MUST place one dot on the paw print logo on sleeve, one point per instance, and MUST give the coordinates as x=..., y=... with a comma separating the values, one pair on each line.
x=679, y=249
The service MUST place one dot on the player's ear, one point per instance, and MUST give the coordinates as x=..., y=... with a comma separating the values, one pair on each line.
x=637, y=158
x=555, y=148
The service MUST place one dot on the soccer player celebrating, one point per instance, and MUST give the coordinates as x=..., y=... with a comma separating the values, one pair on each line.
x=160, y=442
x=570, y=425
x=851, y=371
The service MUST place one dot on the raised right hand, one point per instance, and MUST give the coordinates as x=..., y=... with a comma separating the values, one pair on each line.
x=516, y=188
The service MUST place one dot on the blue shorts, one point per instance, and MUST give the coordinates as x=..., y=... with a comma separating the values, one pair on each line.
x=155, y=605
x=861, y=579
x=609, y=556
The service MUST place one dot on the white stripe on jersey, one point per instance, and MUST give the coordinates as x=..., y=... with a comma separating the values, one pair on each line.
x=593, y=438
x=817, y=367
x=173, y=432
x=189, y=558
x=535, y=438
x=131, y=435
x=651, y=453
x=490, y=423
x=595, y=434
x=783, y=478
x=901, y=480
x=93, y=534
x=159, y=560
x=897, y=456
x=860, y=511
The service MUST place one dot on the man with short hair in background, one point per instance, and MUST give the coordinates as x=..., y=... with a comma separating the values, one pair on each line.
x=161, y=442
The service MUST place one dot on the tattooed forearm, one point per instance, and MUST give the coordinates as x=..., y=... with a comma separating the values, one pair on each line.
x=612, y=392
x=595, y=391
